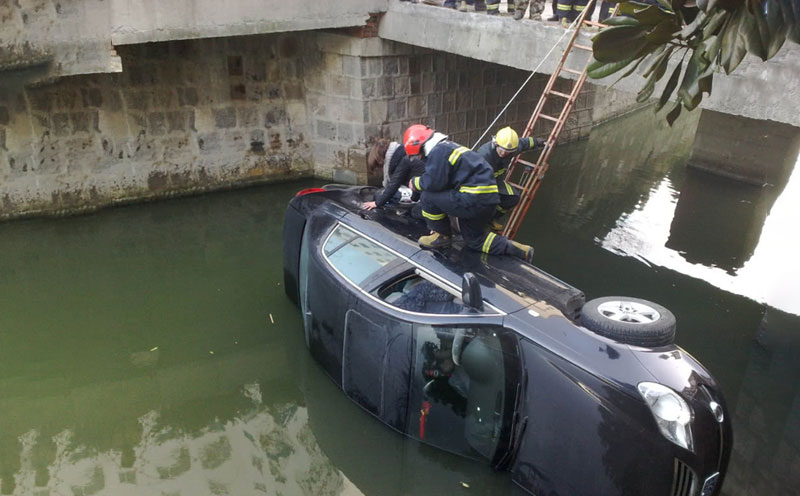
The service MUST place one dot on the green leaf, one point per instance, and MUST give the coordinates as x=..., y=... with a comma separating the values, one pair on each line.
x=629, y=71
x=670, y=87
x=599, y=70
x=629, y=8
x=714, y=23
x=690, y=28
x=665, y=4
x=653, y=74
x=777, y=25
x=658, y=59
x=621, y=21
x=652, y=15
x=757, y=35
x=733, y=48
x=619, y=43
x=689, y=89
x=662, y=33
x=674, y=113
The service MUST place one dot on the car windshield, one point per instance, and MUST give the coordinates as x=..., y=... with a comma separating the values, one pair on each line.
x=354, y=256
x=463, y=388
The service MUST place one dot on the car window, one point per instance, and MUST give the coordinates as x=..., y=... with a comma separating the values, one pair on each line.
x=463, y=388
x=416, y=294
x=355, y=256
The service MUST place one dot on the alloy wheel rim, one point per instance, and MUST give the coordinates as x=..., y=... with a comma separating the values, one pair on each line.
x=629, y=312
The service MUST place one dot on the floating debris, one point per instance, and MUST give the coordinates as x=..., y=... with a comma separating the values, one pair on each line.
x=271, y=319
x=154, y=348
x=210, y=352
x=464, y=484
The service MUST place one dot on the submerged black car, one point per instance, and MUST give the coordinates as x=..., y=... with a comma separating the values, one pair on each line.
x=493, y=359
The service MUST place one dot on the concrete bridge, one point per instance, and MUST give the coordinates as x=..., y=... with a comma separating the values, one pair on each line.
x=106, y=101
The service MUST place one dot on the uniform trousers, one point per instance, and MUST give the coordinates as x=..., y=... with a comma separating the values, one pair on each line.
x=474, y=211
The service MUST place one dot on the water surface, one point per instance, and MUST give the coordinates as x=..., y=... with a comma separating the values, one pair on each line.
x=150, y=349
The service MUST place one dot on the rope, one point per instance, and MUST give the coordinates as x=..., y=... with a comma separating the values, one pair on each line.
x=566, y=31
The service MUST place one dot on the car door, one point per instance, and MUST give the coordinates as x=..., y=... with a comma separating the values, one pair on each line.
x=340, y=260
x=464, y=386
x=377, y=362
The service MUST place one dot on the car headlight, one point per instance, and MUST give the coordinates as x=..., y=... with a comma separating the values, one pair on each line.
x=671, y=412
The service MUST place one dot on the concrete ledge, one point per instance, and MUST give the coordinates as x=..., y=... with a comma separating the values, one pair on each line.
x=498, y=39
x=360, y=47
x=143, y=21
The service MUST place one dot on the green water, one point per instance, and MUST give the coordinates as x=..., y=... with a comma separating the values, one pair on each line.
x=150, y=349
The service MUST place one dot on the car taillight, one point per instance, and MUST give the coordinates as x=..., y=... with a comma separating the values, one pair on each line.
x=309, y=190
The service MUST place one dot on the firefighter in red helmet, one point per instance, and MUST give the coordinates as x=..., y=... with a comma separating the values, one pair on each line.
x=457, y=182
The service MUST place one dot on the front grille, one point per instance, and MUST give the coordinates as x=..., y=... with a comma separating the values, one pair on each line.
x=683, y=480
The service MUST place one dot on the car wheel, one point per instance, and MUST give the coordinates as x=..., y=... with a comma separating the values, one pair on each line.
x=629, y=320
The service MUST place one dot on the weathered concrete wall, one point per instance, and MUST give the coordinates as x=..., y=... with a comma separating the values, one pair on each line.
x=183, y=116
x=140, y=21
x=757, y=152
x=44, y=39
x=41, y=39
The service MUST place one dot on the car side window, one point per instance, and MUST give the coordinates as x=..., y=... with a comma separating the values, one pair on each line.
x=463, y=388
x=354, y=256
x=415, y=294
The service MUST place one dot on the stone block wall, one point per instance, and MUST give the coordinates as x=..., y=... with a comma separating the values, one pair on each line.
x=182, y=116
x=363, y=89
x=196, y=115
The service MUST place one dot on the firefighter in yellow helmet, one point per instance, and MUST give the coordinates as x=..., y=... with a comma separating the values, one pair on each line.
x=499, y=152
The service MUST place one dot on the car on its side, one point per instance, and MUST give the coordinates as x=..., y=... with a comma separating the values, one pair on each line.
x=493, y=359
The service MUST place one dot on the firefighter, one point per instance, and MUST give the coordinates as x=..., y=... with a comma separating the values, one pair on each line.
x=569, y=10
x=480, y=5
x=457, y=182
x=536, y=9
x=606, y=10
x=499, y=152
x=493, y=6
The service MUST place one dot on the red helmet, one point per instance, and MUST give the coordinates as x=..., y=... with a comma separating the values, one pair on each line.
x=414, y=137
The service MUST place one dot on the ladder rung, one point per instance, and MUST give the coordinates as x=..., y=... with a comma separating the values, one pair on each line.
x=526, y=163
x=573, y=71
x=558, y=93
x=549, y=117
x=582, y=47
x=515, y=185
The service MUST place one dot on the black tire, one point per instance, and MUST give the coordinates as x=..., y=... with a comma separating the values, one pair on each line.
x=630, y=321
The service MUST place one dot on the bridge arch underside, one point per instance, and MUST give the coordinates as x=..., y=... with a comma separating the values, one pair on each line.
x=196, y=115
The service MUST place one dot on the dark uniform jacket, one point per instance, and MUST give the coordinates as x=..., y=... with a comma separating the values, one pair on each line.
x=500, y=164
x=452, y=166
x=401, y=169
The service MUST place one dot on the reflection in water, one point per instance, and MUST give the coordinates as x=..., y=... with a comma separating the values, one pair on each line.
x=768, y=273
x=265, y=450
x=616, y=219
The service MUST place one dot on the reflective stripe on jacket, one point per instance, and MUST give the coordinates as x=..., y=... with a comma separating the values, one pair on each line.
x=452, y=166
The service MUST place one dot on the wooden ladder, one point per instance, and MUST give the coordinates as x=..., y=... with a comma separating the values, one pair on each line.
x=531, y=174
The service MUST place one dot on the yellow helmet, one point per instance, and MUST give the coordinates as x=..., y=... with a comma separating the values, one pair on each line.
x=507, y=139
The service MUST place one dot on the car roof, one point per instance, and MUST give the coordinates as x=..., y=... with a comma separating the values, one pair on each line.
x=506, y=282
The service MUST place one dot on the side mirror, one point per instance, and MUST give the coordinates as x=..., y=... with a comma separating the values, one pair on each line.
x=471, y=291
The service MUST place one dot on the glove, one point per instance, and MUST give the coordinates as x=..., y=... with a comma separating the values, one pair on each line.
x=538, y=142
